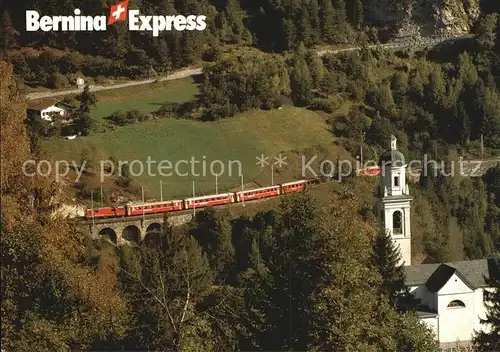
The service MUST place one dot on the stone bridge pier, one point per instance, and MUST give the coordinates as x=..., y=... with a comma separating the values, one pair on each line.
x=123, y=230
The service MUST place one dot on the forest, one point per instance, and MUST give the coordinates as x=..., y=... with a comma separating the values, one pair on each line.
x=280, y=280
x=308, y=275
x=55, y=59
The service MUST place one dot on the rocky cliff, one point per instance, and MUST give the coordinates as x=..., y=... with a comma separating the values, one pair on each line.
x=424, y=17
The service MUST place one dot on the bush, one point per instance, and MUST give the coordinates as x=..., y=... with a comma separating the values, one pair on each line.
x=323, y=105
x=72, y=77
x=129, y=184
x=356, y=91
x=118, y=118
x=101, y=80
x=122, y=118
x=167, y=110
x=212, y=54
x=86, y=191
x=57, y=80
x=337, y=101
x=186, y=109
x=136, y=115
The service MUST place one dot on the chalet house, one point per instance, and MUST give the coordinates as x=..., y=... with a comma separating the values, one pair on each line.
x=451, y=297
x=49, y=110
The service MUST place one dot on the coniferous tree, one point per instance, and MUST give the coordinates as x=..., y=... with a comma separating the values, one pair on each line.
x=168, y=277
x=490, y=341
x=8, y=34
x=82, y=118
x=214, y=235
x=316, y=68
x=83, y=122
x=190, y=45
x=386, y=259
x=289, y=34
x=87, y=99
x=304, y=27
x=313, y=9
x=359, y=18
x=463, y=123
x=327, y=23
x=301, y=83
x=340, y=12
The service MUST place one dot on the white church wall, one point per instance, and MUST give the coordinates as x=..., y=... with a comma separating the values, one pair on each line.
x=456, y=323
x=455, y=285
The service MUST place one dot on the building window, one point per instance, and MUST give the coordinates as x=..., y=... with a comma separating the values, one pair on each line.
x=397, y=222
x=456, y=304
x=396, y=181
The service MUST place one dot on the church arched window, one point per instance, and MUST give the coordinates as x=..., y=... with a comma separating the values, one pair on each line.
x=397, y=222
x=456, y=304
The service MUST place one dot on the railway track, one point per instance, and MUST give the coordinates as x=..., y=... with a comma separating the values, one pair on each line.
x=85, y=221
x=485, y=165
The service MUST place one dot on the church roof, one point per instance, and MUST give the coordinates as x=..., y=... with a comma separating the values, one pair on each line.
x=435, y=276
x=393, y=158
x=441, y=275
x=425, y=312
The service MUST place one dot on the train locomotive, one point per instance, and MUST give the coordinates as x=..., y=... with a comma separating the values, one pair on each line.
x=132, y=209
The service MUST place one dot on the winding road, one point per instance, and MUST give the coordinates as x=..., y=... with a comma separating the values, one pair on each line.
x=176, y=75
x=409, y=43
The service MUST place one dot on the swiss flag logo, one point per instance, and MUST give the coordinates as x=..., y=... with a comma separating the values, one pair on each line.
x=118, y=12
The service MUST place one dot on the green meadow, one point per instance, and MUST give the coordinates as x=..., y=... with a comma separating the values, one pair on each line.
x=238, y=139
x=145, y=98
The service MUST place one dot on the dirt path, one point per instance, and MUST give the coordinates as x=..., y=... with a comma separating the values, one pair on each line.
x=176, y=75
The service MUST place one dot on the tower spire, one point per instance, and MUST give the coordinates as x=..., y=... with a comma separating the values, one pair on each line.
x=395, y=202
x=394, y=142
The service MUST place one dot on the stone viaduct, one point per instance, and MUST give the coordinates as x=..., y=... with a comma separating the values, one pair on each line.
x=133, y=229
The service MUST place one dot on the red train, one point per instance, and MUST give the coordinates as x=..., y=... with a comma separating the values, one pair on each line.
x=369, y=171
x=196, y=202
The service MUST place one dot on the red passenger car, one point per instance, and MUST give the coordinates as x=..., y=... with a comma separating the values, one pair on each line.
x=258, y=193
x=369, y=171
x=154, y=208
x=296, y=186
x=208, y=201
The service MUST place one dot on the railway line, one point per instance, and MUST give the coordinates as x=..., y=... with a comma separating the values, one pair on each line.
x=132, y=211
x=84, y=221
x=471, y=170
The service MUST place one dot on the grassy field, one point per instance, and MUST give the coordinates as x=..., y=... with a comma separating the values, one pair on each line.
x=290, y=131
x=241, y=138
x=146, y=98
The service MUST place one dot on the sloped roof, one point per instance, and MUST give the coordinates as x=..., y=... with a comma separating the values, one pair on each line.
x=435, y=276
x=425, y=312
x=41, y=104
x=474, y=271
x=419, y=274
x=65, y=106
x=441, y=275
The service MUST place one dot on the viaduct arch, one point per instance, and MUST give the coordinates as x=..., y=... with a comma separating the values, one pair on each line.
x=133, y=231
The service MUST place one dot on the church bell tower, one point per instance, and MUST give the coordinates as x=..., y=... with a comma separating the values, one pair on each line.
x=394, y=202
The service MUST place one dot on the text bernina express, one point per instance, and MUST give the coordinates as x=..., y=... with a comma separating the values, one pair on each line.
x=136, y=22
